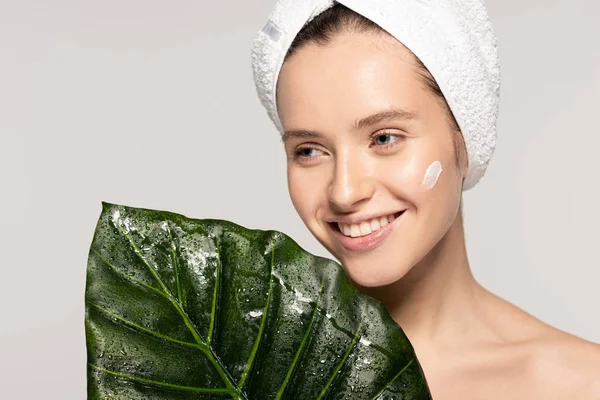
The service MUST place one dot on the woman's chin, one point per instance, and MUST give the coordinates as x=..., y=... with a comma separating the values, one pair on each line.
x=360, y=267
x=374, y=277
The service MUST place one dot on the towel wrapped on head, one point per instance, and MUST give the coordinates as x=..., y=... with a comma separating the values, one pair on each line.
x=454, y=39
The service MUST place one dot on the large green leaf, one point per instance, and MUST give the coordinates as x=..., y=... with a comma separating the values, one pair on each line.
x=181, y=308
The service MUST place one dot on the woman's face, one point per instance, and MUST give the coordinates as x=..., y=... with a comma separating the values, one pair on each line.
x=366, y=139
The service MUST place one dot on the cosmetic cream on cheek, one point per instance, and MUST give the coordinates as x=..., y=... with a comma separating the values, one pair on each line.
x=431, y=175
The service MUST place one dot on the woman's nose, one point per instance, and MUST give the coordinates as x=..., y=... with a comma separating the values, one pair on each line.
x=351, y=182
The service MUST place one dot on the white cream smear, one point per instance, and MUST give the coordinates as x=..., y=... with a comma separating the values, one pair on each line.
x=431, y=175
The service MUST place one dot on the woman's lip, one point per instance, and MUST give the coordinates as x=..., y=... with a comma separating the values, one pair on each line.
x=368, y=242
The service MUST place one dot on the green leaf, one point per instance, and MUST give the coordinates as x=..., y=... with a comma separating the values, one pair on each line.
x=181, y=308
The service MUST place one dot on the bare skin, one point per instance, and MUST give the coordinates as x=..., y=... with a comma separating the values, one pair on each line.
x=471, y=343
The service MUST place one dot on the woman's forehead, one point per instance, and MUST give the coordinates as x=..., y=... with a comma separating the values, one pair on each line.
x=346, y=78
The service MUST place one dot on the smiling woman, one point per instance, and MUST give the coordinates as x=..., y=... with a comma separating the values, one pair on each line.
x=385, y=122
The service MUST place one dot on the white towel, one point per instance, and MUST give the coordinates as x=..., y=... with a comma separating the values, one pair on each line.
x=453, y=38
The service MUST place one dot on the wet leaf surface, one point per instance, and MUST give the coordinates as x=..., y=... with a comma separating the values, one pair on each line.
x=182, y=308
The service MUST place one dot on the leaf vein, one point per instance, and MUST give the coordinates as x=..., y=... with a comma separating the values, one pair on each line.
x=304, y=339
x=164, y=384
x=149, y=331
x=262, y=321
x=174, y=259
x=216, y=292
x=393, y=379
x=344, y=358
x=127, y=277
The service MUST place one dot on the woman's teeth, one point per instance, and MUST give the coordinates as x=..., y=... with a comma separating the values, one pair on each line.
x=365, y=227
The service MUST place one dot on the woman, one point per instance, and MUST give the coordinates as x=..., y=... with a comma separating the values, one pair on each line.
x=383, y=130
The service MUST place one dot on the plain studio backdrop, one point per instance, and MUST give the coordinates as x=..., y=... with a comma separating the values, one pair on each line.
x=152, y=104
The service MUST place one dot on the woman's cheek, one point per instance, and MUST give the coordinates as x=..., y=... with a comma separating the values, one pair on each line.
x=407, y=178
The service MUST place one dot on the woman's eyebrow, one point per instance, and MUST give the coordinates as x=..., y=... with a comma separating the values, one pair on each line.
x=299, y=133
x=385, y=115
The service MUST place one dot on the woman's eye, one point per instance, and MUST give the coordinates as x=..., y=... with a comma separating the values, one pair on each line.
x=305, y=153
x=387, y=139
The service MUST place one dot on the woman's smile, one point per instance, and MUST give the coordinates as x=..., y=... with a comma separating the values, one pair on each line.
x=368, y=234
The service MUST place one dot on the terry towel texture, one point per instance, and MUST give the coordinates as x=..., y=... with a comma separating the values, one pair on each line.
x=453, y=38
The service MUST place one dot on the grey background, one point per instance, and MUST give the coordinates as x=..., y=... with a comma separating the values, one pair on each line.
x=152, y=104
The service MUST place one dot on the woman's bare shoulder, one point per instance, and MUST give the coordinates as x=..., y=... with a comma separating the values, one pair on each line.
x=554, y=363
x=570, y=362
